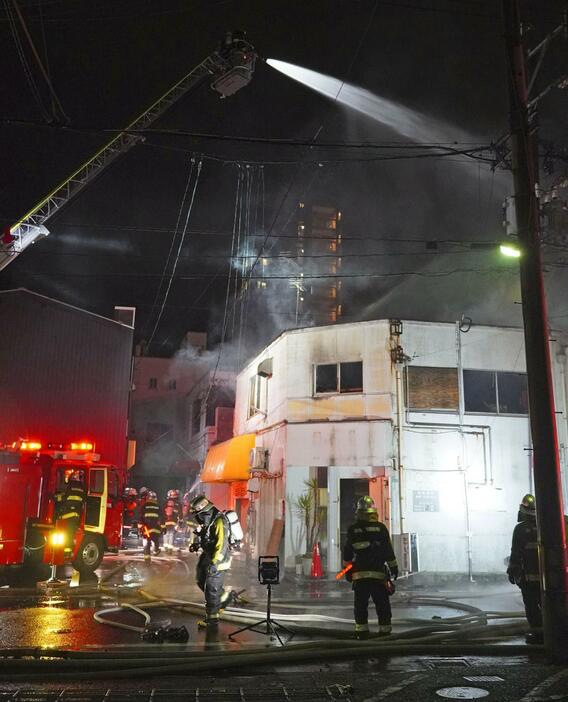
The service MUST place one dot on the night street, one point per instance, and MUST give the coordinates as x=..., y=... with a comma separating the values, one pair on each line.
x=283, y=350
x=61, y=621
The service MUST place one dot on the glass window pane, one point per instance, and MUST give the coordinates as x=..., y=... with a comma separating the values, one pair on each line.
x=480, y=393
x=97, y=481
x=432, y=388
x=513, y=393
x=351, y=377
x=326, y=378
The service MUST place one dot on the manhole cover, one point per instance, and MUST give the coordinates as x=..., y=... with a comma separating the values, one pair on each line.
x=462, y=693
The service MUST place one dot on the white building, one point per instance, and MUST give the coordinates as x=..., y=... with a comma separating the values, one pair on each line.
x=325, y=403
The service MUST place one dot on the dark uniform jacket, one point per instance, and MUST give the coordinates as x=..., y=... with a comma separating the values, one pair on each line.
x=150, y=516
x=523, y=563
x=73, y=501
x=369, y=548
x=215, y=543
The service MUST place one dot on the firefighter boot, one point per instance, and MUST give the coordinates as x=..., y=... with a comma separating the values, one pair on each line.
x=211, y=620
x=361, y=631
x=385, y=629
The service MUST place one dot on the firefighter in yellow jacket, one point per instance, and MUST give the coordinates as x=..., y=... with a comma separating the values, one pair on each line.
x=368, y=547
x=71, y=510
x=215, y=558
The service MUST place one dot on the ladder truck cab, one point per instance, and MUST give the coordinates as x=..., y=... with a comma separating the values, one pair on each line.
x=33, y=480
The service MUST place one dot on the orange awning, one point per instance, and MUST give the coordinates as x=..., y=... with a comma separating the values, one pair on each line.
x=228, y=461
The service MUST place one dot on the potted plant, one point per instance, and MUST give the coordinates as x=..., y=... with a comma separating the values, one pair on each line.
x=308, y=506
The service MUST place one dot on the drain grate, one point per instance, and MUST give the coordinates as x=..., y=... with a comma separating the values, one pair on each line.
x=483, y=678
x=280, y=693
x=435, y=663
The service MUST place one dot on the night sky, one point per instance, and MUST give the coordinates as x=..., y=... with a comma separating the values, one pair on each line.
x=108, y=61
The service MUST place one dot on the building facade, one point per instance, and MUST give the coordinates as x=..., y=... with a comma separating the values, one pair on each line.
x=429, y=419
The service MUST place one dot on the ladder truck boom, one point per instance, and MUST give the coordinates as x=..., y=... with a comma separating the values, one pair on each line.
x=230, y=67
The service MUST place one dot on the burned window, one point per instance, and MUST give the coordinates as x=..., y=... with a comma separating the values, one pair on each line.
x=431, y=388
x=339, y=377
x=480, y=391
x=157, y=430
x=326, y=378
x=351, y=377
x=512, y=392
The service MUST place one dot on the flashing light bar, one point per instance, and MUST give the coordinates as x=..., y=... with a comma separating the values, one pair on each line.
x=27, y=445
x=82, y=446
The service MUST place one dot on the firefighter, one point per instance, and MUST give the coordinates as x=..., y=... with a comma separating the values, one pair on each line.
x=142, y=497
x=72, y=508
x=369, y=549
x=59, y=494
x=150, y=522
x=523, y=569
x=171, y=519
x=215, y=558
x=129, y=515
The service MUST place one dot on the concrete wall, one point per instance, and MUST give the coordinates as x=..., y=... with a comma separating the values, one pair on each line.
x=465, y=473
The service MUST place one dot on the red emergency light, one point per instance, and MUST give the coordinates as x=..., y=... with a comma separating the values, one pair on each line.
x=82, y=446
x=27, y=445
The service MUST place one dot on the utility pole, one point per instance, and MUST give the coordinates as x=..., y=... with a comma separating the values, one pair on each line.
x=547, y=479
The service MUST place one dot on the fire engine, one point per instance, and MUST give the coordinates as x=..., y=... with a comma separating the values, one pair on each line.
x=31, y=475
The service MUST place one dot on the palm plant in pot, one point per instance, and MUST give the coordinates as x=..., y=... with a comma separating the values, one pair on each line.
x=309, y=508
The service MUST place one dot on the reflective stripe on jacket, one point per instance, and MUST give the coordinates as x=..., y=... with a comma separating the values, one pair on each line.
x=151, y=516
x=368, y=546
x=215, y=542
x=73, y=500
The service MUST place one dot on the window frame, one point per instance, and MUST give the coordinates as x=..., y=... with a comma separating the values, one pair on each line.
x=495, y=373
x=255, y=404
x=338, y=390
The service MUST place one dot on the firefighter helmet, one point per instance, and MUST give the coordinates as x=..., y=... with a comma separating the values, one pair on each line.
x=173, y=494
x=527, y=507
x=143, y=491
x=152, y=495
x=200, y=504
x=131, y=492
x=366, y=504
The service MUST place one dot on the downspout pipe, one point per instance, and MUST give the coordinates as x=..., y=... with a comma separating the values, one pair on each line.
x=400, y=446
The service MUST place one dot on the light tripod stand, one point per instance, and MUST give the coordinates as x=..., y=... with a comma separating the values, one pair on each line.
x=269, y=575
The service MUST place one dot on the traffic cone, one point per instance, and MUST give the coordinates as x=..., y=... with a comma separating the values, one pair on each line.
x=316, y=570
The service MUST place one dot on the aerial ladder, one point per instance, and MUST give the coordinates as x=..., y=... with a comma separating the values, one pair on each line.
x=229, y=68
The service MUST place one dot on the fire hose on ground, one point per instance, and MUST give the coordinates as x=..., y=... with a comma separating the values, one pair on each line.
x=467, y=634
x=464, y=634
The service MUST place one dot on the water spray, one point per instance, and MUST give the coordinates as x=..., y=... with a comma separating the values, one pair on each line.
x=403, y=120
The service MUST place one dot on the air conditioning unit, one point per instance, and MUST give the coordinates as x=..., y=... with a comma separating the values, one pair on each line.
x=258, y=459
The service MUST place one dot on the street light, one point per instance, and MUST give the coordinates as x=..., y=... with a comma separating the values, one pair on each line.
x=510, y=249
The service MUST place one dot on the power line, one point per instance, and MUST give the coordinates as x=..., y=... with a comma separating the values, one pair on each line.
x=308, y=276
x=222, y=232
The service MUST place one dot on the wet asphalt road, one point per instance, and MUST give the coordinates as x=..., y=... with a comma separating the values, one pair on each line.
x=63, y=619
